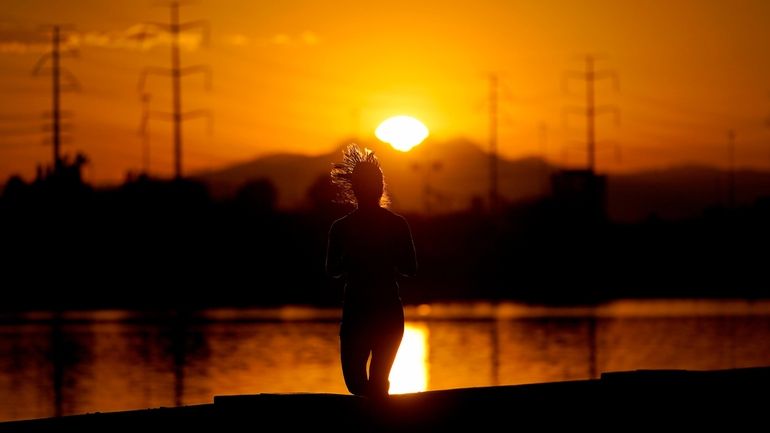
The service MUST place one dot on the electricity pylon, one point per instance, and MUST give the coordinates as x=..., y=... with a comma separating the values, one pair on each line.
x=590, y=76
x=57, y=74
x=176, y=71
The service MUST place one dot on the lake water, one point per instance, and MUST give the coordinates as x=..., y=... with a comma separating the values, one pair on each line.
x=78, y=362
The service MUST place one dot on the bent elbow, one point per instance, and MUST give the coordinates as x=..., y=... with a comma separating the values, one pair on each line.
x=334, y=270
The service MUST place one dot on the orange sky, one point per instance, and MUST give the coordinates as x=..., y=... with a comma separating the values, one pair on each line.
x=291, y=76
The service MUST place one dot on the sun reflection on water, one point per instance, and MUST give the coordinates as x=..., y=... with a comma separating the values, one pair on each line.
x=410, y=369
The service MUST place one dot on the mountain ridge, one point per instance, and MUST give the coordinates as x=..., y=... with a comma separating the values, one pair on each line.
x=450, y=175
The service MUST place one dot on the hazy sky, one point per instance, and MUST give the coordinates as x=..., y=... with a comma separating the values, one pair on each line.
x=303, y=76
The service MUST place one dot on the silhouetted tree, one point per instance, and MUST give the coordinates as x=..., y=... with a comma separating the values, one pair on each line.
x=322, y=197
x=14, y=191
x=257, y=197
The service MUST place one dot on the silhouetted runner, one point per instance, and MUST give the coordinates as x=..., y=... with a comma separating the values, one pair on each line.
x=368, y=247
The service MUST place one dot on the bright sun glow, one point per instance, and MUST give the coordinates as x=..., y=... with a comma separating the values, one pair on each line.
x=410, y=369
x=402, y=132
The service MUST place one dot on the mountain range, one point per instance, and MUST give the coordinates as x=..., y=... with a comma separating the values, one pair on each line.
x=447, y=176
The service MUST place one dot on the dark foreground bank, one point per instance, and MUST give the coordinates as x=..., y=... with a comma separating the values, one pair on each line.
x=660, y=399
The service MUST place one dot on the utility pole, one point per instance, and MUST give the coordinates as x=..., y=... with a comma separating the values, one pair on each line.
x=590, y=76
x=767, y=122
x=427, y=190
x=543, y=139
x=57, y=71
x=55, y=81
x=731, y=168
x=177, y=116
x=493, y=194
x=145, y=133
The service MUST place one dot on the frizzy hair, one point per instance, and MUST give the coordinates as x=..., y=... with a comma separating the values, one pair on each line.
x=342, y=174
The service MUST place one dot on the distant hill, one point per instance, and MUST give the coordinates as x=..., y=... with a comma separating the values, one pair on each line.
x=680, y=192
x=451, y=172
x=447, y=176
x=291, y=174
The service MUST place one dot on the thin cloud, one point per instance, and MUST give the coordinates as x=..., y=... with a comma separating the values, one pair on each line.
x=18, y=40
x=237, y=40
x=309, y=38
x=281, y=39
x=142, y=37
x=306, y=38
x=137, y=37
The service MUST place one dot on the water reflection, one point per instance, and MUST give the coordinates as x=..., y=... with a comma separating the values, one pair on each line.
x=410, y=369
x=74, y=363
x=546, y=349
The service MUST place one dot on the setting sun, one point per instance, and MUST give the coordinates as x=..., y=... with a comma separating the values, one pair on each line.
x=402, y=132
x=410, y=370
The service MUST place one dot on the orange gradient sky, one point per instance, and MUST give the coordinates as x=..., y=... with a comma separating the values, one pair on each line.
x=302, y=76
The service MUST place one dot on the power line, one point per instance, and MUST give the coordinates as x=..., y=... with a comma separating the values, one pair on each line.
x=677, y=107
x=678, y=140
x=643, y=118
x=176, y=71
x=17, y=118
x=590, y=76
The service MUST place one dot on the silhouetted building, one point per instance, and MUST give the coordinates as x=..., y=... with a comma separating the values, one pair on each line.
x=580, y=194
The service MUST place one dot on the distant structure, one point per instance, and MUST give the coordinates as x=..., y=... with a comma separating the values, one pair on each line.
x=582, y=193
x=145, y=133
x=731, y=168
x=429, y=194
x=493, y=179
x=177, y=116
x=590, y=76
x=543, y=144
x=59, y=76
